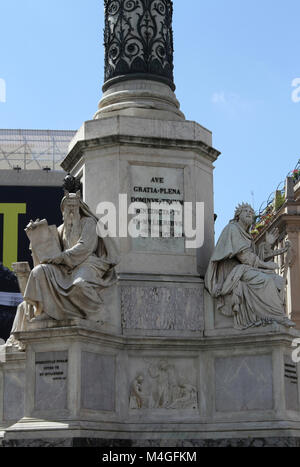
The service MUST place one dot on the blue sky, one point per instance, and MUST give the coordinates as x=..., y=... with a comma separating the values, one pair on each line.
x=234, y=66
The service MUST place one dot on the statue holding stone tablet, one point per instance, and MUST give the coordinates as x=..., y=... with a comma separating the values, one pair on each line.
x=72, y=265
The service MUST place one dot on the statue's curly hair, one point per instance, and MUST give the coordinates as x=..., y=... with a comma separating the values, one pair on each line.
x=239, y=209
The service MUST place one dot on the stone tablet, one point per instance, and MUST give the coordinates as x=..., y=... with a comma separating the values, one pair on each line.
x=44, y=240
x=51, y=379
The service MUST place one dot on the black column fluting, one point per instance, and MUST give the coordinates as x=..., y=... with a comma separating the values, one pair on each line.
x=138, y=39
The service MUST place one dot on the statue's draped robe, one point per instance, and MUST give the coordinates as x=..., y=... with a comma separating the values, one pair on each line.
x=25, y=313
x=73, y=288
x=252, y=295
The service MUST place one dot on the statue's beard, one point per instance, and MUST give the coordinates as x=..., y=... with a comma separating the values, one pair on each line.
x=72, y=230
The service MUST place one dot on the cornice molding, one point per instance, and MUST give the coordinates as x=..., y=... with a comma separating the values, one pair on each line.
x=146, y=142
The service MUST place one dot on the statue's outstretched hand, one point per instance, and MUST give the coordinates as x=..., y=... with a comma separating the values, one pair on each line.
x=272, y=237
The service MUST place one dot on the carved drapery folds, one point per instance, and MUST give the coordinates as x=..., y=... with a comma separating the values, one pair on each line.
x=138, y=40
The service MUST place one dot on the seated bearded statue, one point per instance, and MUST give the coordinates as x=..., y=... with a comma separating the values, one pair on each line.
x=68, y=285
x=245, y=285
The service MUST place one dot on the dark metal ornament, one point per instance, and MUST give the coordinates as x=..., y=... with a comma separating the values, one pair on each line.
x=138, y=39
x=72, y=184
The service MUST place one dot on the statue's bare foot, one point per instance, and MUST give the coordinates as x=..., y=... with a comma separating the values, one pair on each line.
x=42, y=317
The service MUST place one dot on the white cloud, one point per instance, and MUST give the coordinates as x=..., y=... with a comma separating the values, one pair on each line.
x=2, y=90
x=218, y=98
x=233, y=103
x=296, y=92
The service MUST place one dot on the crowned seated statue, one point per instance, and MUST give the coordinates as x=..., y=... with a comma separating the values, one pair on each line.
x=242, y=280
x=72, y=266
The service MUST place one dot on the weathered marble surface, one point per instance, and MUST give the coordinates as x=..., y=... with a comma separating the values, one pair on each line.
x=140, y=99
x=244, y=383
x=156, y=387
x=162, y=308
x=13, y=395
x=98, y=390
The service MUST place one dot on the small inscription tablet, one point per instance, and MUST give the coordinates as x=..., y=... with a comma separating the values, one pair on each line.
x=51, y=378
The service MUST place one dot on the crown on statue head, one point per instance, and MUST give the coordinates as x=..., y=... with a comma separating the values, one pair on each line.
x=72, y=191
x=240, y=208
x=72, y=185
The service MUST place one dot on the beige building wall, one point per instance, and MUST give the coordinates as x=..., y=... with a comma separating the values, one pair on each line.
x=287, y=220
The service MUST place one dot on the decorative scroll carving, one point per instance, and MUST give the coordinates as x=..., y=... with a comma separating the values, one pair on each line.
x=162, y=388
x=138, y=39
x=162, y=308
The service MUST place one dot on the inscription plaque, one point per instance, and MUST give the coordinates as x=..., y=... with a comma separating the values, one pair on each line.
x=160, y=230
x=291, y=384
x=163, y=308
x=51, y=378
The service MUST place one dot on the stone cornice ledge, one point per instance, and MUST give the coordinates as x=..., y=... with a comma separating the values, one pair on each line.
x=161, y=143
x=162, y=278
x=92, y=333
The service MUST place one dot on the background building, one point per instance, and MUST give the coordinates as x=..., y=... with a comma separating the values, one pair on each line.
x=33, y=149
x=30, y=187
x=282, y=211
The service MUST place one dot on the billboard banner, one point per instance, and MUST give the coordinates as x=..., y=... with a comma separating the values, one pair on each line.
x=18, y=205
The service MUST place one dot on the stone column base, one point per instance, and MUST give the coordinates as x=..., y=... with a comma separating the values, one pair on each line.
x=77, y=385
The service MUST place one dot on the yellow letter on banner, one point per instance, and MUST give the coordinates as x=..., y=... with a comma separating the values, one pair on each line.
x=11, y=213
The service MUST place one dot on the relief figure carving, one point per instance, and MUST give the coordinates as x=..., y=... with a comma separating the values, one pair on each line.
x=162, y=388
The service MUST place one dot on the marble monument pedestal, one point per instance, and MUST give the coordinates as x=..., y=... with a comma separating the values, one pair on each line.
x=79, y=385
x=147, y=158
